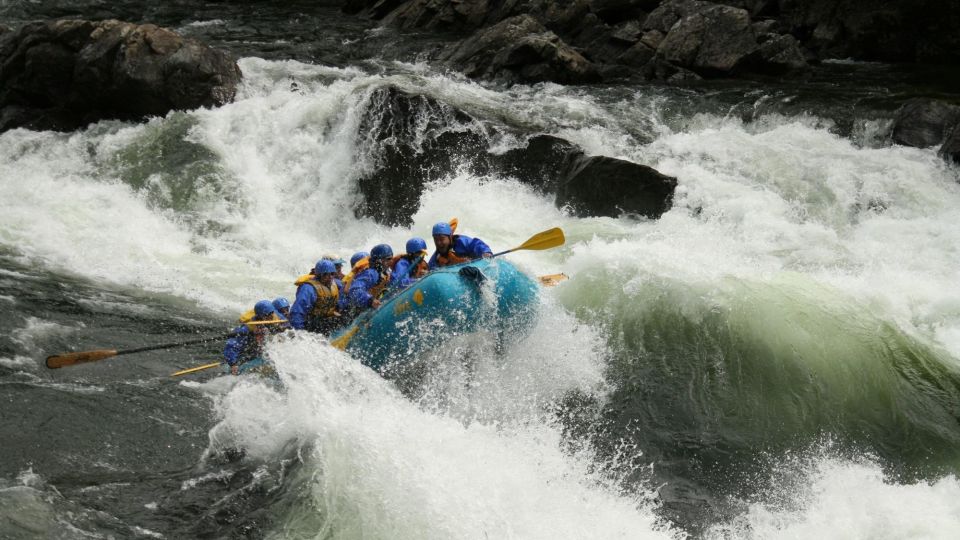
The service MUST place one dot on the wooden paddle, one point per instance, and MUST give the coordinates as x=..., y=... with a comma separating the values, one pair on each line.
x=58, y=361
x=195, y=369
x=552, y=280
x=545, y=240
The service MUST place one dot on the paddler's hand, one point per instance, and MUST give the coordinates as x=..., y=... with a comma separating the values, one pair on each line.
x=487, y=255
x=234, y=369
x=374, y=303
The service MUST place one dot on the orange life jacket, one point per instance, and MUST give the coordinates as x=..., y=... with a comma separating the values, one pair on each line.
x=416, y=273
x=451, y=258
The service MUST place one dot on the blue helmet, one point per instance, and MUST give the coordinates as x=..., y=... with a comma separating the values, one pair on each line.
x=442, y=228
x=324, y=266
x=263, y=308
x=357, y=257
x=280, y=303
x=381, y=251
x=416, y=245
x=337, y=261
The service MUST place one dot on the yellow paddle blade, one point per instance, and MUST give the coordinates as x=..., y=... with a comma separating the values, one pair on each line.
x=344, y=340
x=545, y=240
x=453, y=224
x=195, y=369
x=59, y=360
x=552, y=280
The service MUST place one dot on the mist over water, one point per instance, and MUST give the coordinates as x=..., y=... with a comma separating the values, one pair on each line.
x=778, y=356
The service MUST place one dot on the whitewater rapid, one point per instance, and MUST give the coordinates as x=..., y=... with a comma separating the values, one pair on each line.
x=783, y=229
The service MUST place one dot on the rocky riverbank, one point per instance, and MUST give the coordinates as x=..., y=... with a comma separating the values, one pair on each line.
x=65, y=74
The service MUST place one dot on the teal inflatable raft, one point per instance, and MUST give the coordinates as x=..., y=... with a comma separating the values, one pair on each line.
x=487, y=294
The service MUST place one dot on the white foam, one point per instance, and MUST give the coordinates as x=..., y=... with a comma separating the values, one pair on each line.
x=838, y=499
x=381, y=467
x=17, y=362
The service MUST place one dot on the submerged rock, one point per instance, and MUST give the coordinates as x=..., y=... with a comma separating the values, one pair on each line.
x=65, y=74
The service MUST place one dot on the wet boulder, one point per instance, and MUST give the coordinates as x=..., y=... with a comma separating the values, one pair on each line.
x=950, y=150
x=605, y=186
x=541, y=163
x=65, y=74
x=407, y=141
x=520, y=49
x=923, y=123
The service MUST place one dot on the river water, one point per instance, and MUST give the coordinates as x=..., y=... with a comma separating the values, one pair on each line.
x=778, y=356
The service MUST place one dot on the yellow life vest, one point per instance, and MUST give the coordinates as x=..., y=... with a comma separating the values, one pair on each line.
x=377, y=290
x=327, y=297
x=361, y=265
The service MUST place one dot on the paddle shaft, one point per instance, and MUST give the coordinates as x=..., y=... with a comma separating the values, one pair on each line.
x=196, y=369
x=172, y=345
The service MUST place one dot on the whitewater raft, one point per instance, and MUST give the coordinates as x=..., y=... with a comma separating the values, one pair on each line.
x=487, y=294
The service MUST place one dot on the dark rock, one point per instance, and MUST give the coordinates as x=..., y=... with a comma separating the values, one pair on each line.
x=599, y=41
x=754, y=7
x=668, y=13
x=440, y=14
x=887, y=30
x=520, y=49
x=779, y=54
x=541, y=163
x=710, y=42
x=617, y=11
x=563, y=17
x=637, y=56
x=768, y=26
x=652, y=38
x=352, y=7
x=628, y=32
x=605, y=186
x=950, y=150
x=381, y=8
x=661, y=70
x=411, y=140
x=924, y=122
x=65, y=74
